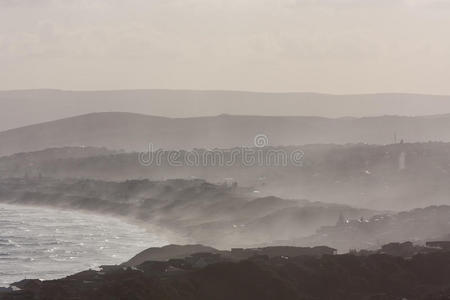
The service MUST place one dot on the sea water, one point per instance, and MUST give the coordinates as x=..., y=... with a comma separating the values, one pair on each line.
x=48, y=244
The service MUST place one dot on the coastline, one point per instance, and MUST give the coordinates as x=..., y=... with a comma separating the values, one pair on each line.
x=53, y=243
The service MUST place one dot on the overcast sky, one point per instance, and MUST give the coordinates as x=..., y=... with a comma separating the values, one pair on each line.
x=334, y=46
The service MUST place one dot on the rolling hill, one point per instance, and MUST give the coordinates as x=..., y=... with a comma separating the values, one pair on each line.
x=27, y=107
x=133, y=132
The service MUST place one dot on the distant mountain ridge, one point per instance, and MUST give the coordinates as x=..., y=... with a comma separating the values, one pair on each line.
x=134, y=132
x=25, y=107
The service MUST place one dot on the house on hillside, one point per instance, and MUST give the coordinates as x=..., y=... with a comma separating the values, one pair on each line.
x=442, y=245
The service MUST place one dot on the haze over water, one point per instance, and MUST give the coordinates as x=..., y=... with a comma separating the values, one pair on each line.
x=48, y=244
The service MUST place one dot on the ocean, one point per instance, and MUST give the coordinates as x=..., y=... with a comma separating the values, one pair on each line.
x=48, y=244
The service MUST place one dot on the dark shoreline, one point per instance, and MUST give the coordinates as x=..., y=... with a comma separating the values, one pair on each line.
x=286, y=273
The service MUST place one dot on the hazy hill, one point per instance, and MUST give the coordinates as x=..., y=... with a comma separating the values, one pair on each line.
x=191, y=211
x=418, y=225
x=19, y=108
x=397, y=176
x=134, y=131
x=52, y=154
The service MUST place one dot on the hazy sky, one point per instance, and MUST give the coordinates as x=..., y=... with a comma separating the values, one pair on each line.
x=337, y=46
